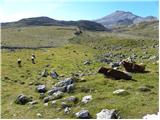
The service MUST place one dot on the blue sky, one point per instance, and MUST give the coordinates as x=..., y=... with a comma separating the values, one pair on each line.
x=12, y=10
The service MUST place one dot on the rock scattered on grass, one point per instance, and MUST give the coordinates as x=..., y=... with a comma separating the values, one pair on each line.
x=41, y=88
x=53, y=102
x=144, y=89
x=39, y=115
x=65, y=105
x=46, y=104
x=67, y=110
x=87, y=62
x=33, y=102
x=152, y=116
x=108, y=114
x=86, y=99
x=54, y=74
x=71, y=99
x=47, y=99
x=57, y=95
x=22, y=99
x=44, y=73
x=120, y=92
x=83, y=114
x=65, y=82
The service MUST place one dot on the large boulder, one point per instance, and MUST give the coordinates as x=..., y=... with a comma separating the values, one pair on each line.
x=108, y=114
x=41, y=88
x=22, y=99
x=83, y=114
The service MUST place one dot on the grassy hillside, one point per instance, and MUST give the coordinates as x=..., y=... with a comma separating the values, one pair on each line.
x=68, y=60
x=146, y=29
x=41, y=36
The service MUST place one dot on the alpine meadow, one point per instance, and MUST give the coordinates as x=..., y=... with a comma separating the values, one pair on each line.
x=105, y=68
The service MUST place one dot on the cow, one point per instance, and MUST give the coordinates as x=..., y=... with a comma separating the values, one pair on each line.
x=112, y=73
x=133, y=67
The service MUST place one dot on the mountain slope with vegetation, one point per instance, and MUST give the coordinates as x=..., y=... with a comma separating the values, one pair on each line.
x=46, y=21
x=77, y=56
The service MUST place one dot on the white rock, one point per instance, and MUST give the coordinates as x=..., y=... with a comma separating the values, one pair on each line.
x=86, y=99
x=39, y=114
x=107, y=114
x=45, y=104
x=152, y=116
x=67, y=110
x=53, y=102
x=120, y=92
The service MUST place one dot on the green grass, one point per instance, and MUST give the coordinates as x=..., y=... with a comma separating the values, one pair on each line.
x=68, y=59
x=41, y=36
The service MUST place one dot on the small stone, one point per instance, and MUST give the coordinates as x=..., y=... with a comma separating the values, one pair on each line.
x=33, y=102
x=64, y=105
x=86, y=99
x=45, y=104
x=47, y=99
x=54, y=75
x=120, y=92
x=70, y=88
x=39, y=115
x=41, y=88
x=53, y=102
x=67, y=110
x=58, y=95
x=72, y=99
x=30, y=83
x=83, y=114
x=144, y=89
x=44, y=73
x=87, y=62
x=22, y=99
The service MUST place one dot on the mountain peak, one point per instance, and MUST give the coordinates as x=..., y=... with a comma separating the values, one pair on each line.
x=119, y=18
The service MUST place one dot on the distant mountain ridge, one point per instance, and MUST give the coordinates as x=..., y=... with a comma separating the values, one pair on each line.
x=123, y=18
x=46, y=21
x=107, y=23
